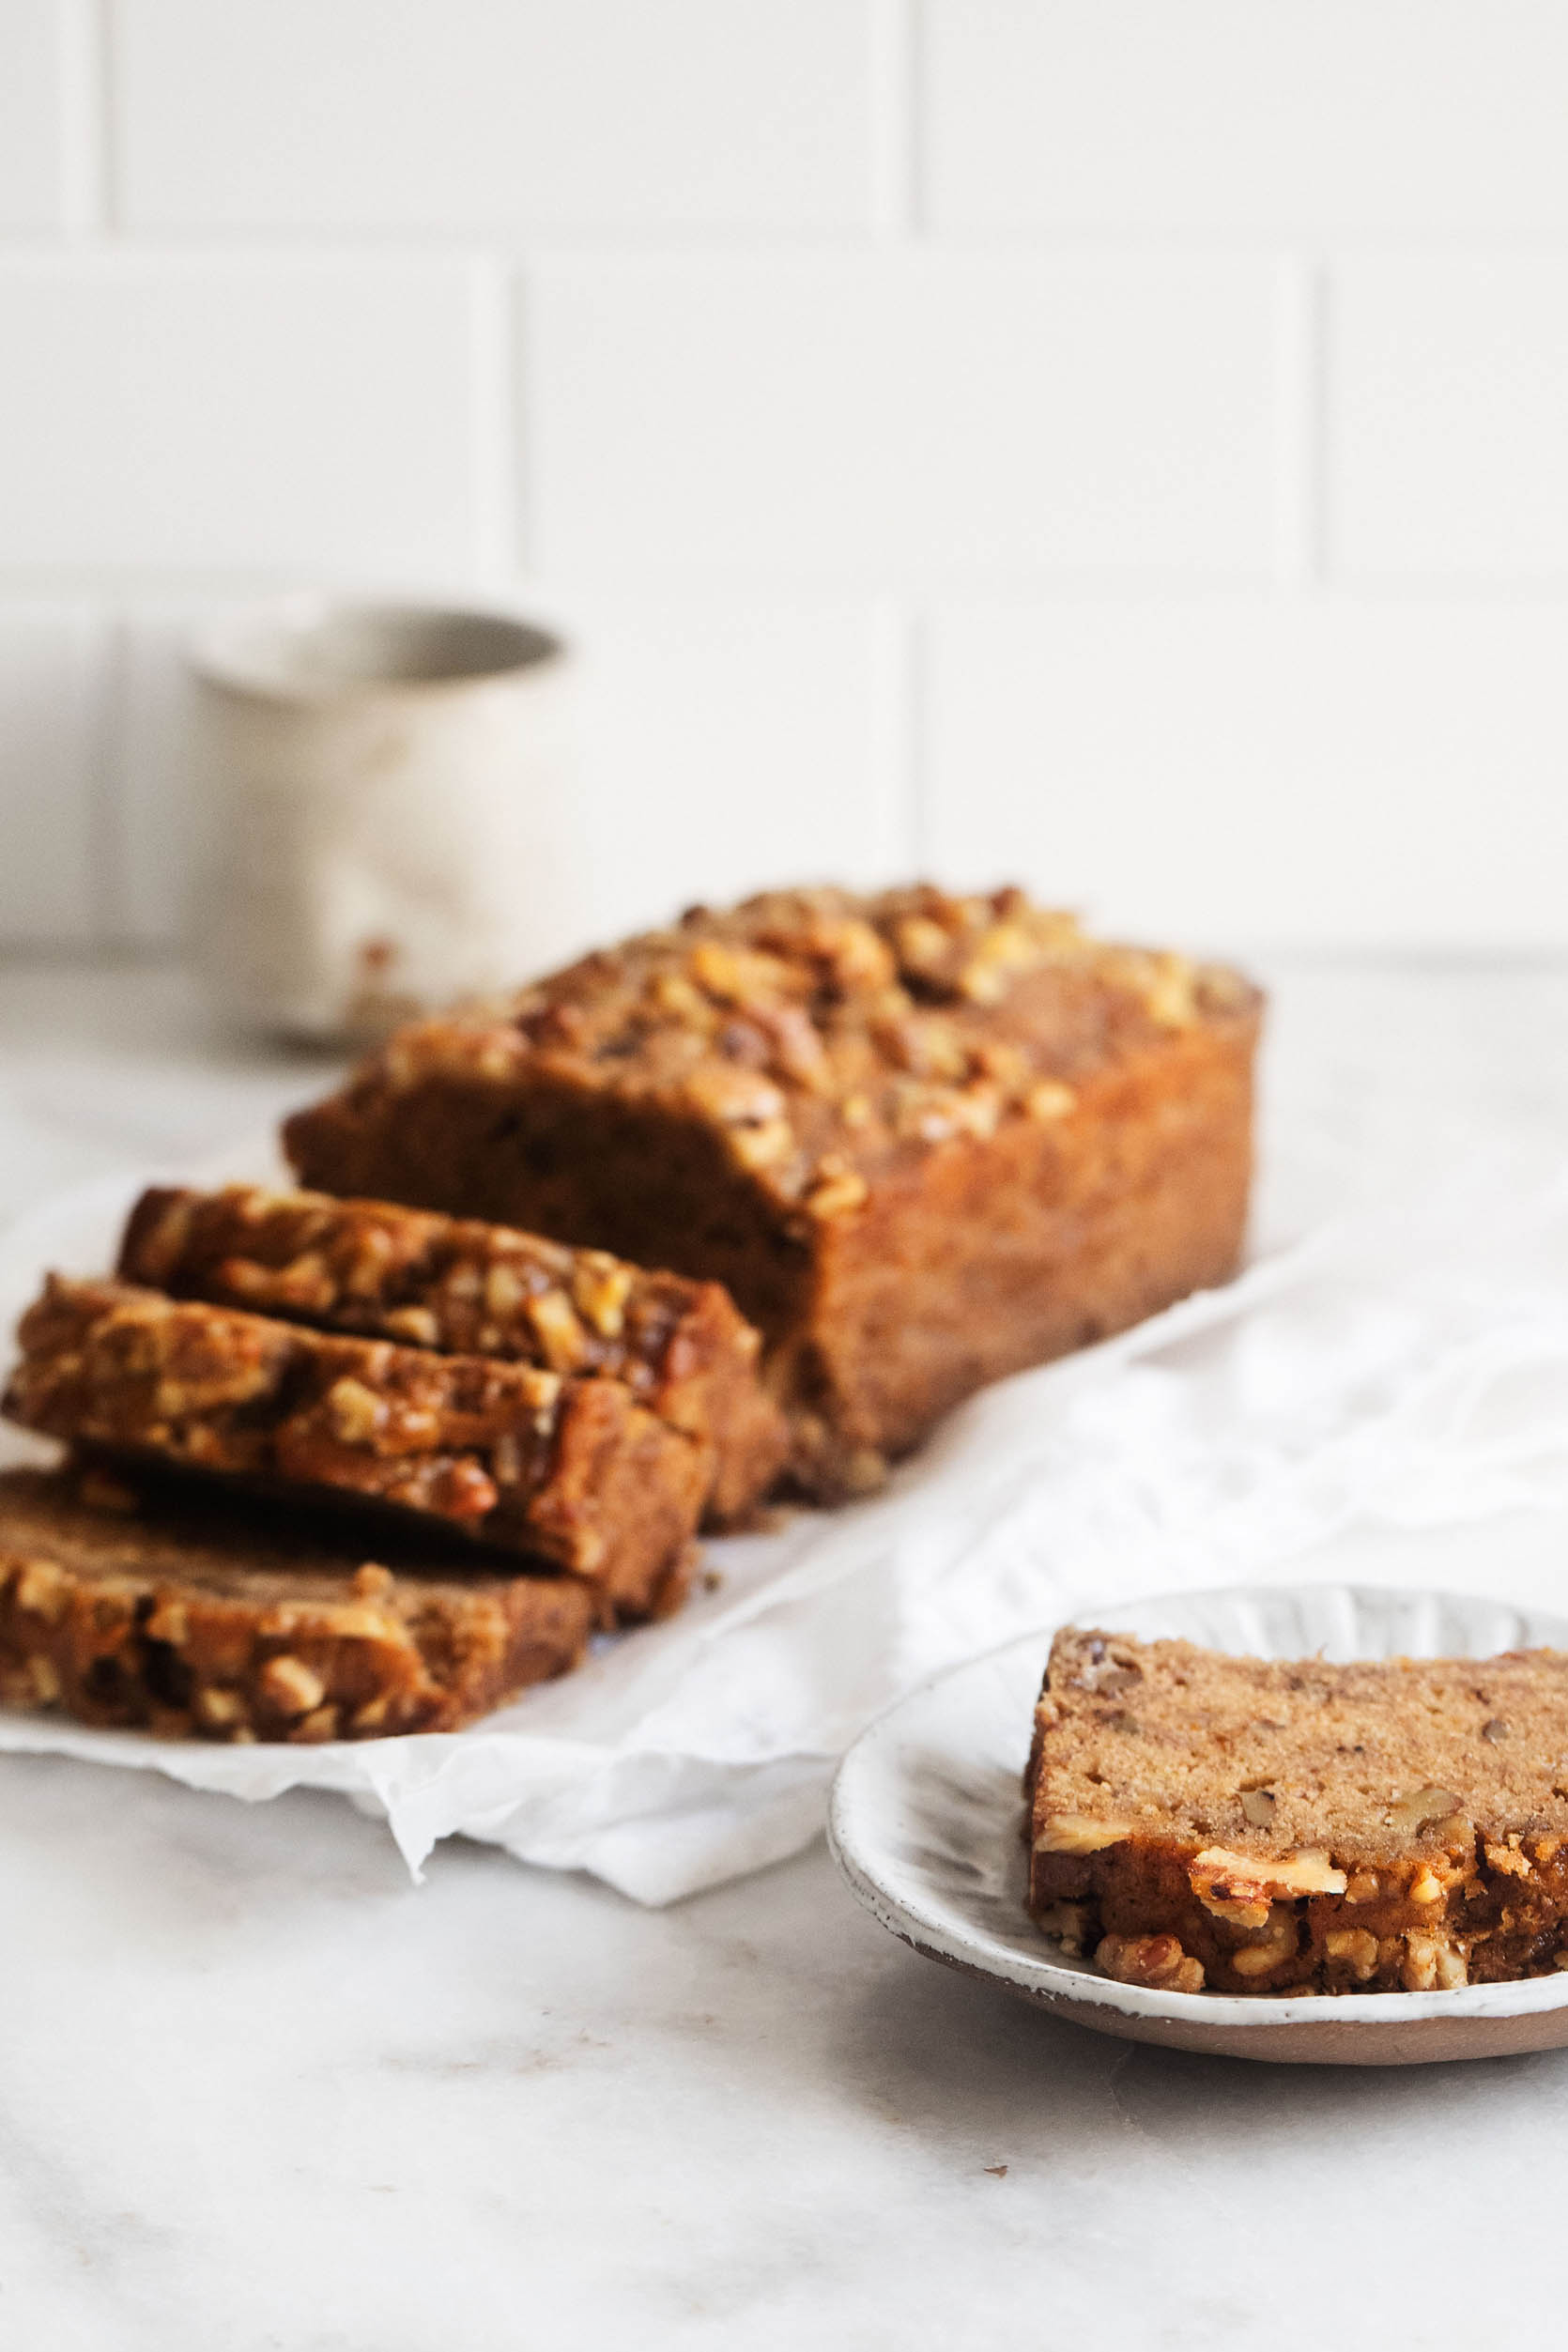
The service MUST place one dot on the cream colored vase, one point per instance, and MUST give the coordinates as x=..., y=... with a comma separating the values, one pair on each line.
x=384, y=810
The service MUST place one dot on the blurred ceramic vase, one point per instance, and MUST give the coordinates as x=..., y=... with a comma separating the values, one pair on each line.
x=383, y=811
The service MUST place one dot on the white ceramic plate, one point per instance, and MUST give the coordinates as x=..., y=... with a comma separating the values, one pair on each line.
x=924, y=1823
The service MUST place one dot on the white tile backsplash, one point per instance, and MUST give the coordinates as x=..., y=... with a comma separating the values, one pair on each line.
x=1246, y=117
x=52, y=679
x=724, y=749
x=1448, y=425
x=294, y=415
x=898, y=421
x=34, y=44
x=1342, y=774
x=636, y=116
x=1112, y=441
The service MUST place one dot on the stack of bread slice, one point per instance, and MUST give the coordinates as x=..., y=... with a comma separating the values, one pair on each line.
x=338, y=1468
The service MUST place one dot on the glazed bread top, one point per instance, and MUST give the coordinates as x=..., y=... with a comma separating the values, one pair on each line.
x=828, y=1036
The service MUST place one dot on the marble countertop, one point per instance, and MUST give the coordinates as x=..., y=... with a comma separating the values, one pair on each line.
x=258, y=2090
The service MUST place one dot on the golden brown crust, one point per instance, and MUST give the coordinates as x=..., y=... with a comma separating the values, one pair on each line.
x=192, y=1618
x=1256, y=1826
x=465, y=1288
x=505, y=1453
x=923, y=1140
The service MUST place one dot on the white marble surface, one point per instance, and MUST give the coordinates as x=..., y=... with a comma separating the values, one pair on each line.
x=256, y=2090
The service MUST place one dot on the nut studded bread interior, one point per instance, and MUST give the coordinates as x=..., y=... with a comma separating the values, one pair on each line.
x=186, y=1615
x=1250, y=1826
x=570, y=1470
x=368, y=1269
x=923, y=1140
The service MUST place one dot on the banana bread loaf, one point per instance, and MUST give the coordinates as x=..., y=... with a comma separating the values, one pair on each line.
x=922, y=1140
x=468, y=1288
x=172, y=1612
x=569, y=1469
x=1250, y=1826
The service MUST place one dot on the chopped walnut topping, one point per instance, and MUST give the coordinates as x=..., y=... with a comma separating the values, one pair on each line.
x=355, y=1413
x=293, y=1687
x=416, y=1325
x=504, y=1292
x=1050, y=1099
x=838, y=1187
x=736, y=1098
x=220, y=1709
x=601, y=1289
x=763, y=1146
x=43, y=1589
x=44, y=1676
x=559, y=1333
x=672, y=992
x=170, y=1621
x=737, y=976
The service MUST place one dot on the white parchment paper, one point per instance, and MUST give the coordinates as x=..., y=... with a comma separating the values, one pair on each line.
x=1388, y=1398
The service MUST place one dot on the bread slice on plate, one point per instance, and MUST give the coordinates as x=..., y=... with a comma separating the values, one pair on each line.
x=1248, y=1825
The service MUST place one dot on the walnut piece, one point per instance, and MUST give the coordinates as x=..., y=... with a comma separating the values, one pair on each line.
x=355, y=1413
x=293, y=1687
x=1157, y=1961
x=1241, y=1887
x=1413, y=1812
x=1355, y=1948
x=1432, y=1964
x=1079, y=1833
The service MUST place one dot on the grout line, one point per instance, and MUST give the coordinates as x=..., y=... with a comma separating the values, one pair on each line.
x=895, y=124
x=1322, y=365
x=22, y=583
x=1298, y=484
x=497, y=504
x=901, y=207
x=84, y=118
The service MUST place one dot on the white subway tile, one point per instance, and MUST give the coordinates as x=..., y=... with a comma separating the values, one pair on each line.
x=33, y=100
x=52, y=672
x=1448, y=395
x=1256, y=117
x=693, y=114
x=248, y=413
x=726, y=746
x=1336, y=774
x=900, y=419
